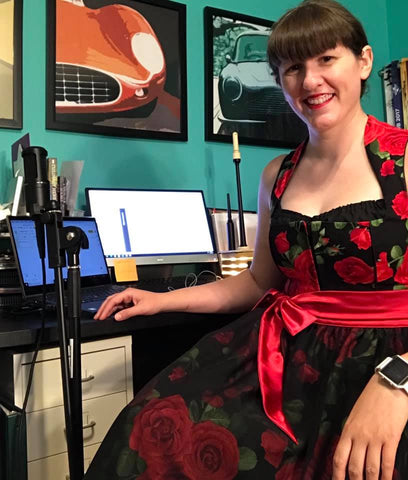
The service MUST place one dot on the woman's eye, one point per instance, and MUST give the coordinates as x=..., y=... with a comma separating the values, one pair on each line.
x=327, y=58
x=293, y=68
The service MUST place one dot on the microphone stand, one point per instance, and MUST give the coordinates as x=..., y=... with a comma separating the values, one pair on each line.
x=236, y=156
x=62, y=242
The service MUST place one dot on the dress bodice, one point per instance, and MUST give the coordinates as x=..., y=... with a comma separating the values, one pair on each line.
x=361, y=246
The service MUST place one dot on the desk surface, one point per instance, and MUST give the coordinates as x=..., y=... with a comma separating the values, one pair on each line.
x=21, y=330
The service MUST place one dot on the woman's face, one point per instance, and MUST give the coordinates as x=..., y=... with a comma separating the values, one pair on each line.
x=324, y=90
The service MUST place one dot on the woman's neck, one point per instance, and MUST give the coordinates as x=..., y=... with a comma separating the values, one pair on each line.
x=337, y=142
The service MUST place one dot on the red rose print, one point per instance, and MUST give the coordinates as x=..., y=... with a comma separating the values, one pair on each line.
x=224, y=337
x=374, y=128
x=347, y=346
x=215, y=401
x=402, y=271
x=299, y=357
x=361, y=237
x=281, y=243
x=214, y=454
x=308, y=374
x=387, y=168
x=354, y=270
x=364, y=224
x=161, y=430
x=234, y=392
x=282, y=182
x=274, y=445
x=393, y=140
x=390, y=139
x=303, y=274
x=177, y=373
x=384, y=271
x=400, y=205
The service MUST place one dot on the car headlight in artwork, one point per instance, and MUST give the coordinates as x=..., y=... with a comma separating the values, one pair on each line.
x=232, y=88
x=148, y=52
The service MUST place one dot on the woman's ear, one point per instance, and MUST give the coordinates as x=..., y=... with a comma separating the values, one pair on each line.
x=366, y=60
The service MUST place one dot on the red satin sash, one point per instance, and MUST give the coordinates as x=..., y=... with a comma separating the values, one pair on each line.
x=372, y=309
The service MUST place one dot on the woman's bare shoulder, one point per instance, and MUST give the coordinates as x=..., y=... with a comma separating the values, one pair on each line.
x=270, y=172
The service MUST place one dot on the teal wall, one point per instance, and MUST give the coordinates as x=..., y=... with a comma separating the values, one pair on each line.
x=196, y=164
x=397, y=27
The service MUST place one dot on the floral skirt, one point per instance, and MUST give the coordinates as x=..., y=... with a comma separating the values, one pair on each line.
x=202, y=417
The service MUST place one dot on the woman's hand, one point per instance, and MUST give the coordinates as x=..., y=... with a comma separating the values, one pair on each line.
x=371, y=434
x=130, y=302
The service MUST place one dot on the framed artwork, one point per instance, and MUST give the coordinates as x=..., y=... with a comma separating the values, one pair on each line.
x=241, y=93
x=10, y=64
x=117, y=67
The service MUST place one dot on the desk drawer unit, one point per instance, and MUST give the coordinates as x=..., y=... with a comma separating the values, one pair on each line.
x=106, y=387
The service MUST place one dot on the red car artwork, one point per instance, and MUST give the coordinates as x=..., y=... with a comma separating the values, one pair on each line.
x=107, y=59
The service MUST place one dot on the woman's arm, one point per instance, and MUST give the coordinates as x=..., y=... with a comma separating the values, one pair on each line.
x=234, y=294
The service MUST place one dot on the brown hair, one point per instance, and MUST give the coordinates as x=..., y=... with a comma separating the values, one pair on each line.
x=310, y=29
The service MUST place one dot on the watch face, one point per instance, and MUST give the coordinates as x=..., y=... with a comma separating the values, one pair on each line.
x=396, y=370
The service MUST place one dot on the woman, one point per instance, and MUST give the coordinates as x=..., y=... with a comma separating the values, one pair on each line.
x=289, y=390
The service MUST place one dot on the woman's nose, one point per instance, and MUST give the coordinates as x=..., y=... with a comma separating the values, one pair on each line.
x=311, y=78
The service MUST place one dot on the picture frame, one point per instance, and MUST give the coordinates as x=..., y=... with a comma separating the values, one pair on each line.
x=123, y=73
x=241, y=93
x=11, y=110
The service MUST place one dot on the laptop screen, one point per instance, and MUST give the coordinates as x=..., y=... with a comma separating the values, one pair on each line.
x=155, y=226
x=94, y=270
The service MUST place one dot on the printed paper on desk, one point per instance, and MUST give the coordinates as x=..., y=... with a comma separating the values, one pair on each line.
x=72, y=170
x=125, y=269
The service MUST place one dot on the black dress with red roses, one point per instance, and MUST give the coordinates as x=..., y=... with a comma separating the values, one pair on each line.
x=202, y=417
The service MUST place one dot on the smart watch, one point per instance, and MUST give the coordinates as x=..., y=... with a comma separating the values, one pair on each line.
x=394, y=370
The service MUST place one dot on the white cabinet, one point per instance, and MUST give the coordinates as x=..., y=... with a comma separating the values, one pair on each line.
x=106, y=388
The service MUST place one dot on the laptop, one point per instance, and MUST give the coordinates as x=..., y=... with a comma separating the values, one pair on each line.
x=96, y=283
x=168, y=232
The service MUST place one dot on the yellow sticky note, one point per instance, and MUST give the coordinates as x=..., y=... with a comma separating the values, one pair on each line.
x=125, y=269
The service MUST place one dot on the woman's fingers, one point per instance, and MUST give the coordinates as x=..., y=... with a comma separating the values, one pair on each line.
x=388, y=454
x=116, y=302
x=373, y=461
x=340, y=458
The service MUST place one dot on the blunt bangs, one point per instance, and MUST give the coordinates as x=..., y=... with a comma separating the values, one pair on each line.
x=312, y=28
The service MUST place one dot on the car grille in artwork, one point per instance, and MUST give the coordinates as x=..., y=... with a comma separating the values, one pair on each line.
x=262, y=104
x=83, y=85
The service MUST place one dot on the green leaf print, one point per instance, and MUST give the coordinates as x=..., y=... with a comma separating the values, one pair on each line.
x=396, y=252
x=399, y=287
x=194, y=411
x=406, y=224
x=301, y=240
x=294, y=411
x=339, y=225
x=294, y=251
x=377, y=222
x=215, y=415
x=315, y=226
x=375, y=148
x=319, y=260
x=127, y=463
x=247, y=459
x=400, y=162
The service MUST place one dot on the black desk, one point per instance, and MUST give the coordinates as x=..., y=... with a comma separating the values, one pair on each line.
x=157, y=340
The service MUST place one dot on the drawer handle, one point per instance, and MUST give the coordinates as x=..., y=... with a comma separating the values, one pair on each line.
x=87, y=379
x=89, y=425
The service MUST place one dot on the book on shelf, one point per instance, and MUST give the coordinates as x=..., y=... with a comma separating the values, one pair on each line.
x=387, y=85
x=396, y=93
x=404, y=89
